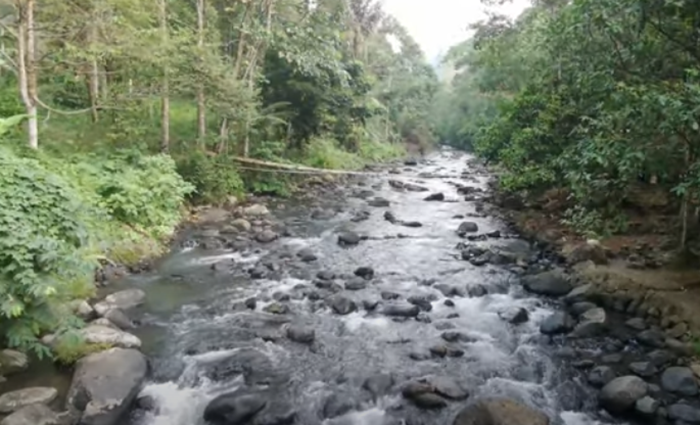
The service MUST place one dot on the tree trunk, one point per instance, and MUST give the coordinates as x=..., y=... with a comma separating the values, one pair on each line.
x=27, y=68
x=223, y=136
x=165, y=89
x=201, y=106
x=94, y=89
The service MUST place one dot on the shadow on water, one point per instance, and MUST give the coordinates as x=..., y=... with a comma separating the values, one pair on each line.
x=204, y=342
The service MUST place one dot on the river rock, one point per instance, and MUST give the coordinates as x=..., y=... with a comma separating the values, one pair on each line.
x=579, y=294
x=591, y=323
x=301, y=334
x=679, y=380
x=423, y=302
x=467, y=227
x=449, y=290
x=103, y=335
x=378, y=202
x=514, y=315
x=356, y=284
x=477, y=291
x=636, y=323
x=236, y=408
x=643, y=369
x=400, y=309
x=35, y=414
x=84, y=310
x=422, y=395
x=684, y=413
x=342, y=305
x=599, y=376
x=266, y=236
x=552, y=283
x=307, y=255
x=365, y=272
x=276, y=308
x=241, y=224
x=435, y=197
x=125, y=300
x=119, y=318
x=256, y=210
x=577, y=309
x=379, y=384
x=557, y=323
x=442, y=350
x=500, y=412
x=591, y=250
x=621, y=394
x=652, y=338
x=15, y=400
x=646, y=406
x=12, y=362
x=447, y=387
x=105, y=384
x=348, y=238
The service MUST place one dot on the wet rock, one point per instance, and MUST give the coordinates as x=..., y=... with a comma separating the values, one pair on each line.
x=388, y=296
x=370, y=305
x=651, y=338
x=277, y=308
x=477, y=291
x=365, y=272
x=256, y=210
x=581, y=307
x=442, y=350
x=679, y=380
x=643, y=369
x=447, y=387
x=435, y=197
x=592, y=323
x=124, y=300
x=684, y=413
x=612, y=358
x=236, y=408
x=558, y=323
x=322, y=214
x=12, y=362
x=35, y=414
x=103, y=335
x=455, y=336
x=360, y=216
x=241, y=224
x=379, y=384
x=552, y=283
x=413, y=224
x=514, y=315
x=646, y=406
x=119, y=318
x=599, y=376
x=342, y=305
x=266, y=236
x=84, y=310
x=411, y=162
x=301, y=334
x=390, y=217
x=400, y=310
x=449, y=290
x=467, y=227
x=325, y=275
x=348, y=238
x=449, y=303
x=307, y=255
x=636, y=323
x=281, y=296
x=414, y=188
x=356, y=284
x=422, y=395
x=621, y=394
x=500, y=412
x=251, y=303
x=105, y=384
x=338, y=404
x=15, y=400
x=378, y=202
x=679, y=347
x=579, y=294
x=678, y=331
x=422, y=302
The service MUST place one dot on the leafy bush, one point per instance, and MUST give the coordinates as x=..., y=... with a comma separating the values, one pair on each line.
x=214, y=178
x=42, y=242
x=324, y=152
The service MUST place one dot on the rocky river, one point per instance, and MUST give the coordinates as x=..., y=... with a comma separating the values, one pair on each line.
x=398, y=297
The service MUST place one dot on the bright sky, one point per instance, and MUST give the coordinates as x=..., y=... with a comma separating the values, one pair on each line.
x=438, y=24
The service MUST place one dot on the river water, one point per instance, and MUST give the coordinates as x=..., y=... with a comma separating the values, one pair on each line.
x=203, y=341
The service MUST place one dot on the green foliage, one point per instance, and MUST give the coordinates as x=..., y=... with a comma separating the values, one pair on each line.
x=325, y=152
x=587, y=95
x=214, y=177
x=70, y=347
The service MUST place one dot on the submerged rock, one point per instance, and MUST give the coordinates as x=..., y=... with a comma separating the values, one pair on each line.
x=342, y=305
x=348, y=238
x=467, y=227
x=500, y=412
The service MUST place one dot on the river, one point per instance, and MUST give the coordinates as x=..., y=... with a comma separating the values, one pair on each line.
x=205, y=340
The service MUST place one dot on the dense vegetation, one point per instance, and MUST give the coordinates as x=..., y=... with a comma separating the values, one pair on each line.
x=119, y=112
x=596, y=97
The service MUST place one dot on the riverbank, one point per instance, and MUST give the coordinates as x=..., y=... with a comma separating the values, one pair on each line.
x=392, y=297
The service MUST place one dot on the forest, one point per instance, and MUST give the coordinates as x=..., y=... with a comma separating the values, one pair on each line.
x=117, y=114
x=596, y=98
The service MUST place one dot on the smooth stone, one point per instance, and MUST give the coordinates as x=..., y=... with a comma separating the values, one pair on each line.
x=35, y=414
x=620, y=394
x=15, y=400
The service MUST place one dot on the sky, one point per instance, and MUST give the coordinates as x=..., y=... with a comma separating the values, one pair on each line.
x=438, y=24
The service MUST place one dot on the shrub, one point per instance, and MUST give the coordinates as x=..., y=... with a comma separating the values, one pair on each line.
x=214, y=178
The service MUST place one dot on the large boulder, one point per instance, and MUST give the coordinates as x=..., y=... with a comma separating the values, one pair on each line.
x=500, y=412
x=621, y=394
x=12, y=362
x=124, y=300
x=553, y=283
x=679, y=380
x=590, y=250
x=236, y=408
x=105, y=384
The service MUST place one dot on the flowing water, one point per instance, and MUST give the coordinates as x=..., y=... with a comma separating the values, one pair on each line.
x=203, y=341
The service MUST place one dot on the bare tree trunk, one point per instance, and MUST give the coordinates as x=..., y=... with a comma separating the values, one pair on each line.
x=240, y=49
x=223, y=136
x=201, y=107
x=165, y=85
x=27, y=68
x=94, y=89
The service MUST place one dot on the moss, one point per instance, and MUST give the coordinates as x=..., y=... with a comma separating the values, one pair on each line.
x=69, y=349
